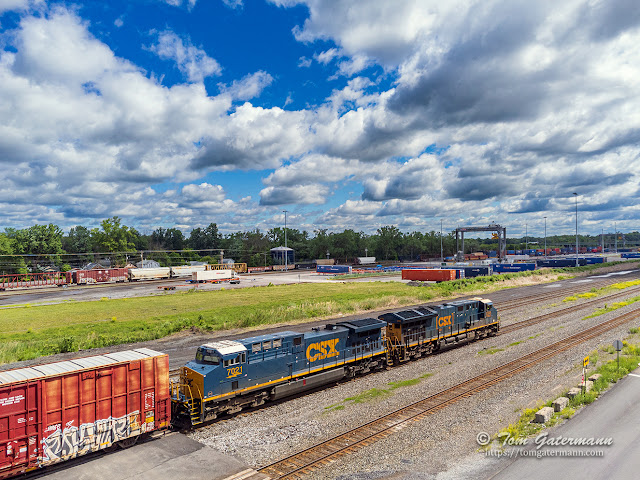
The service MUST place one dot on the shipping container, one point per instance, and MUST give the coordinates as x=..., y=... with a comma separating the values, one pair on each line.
x=326, y=261
x=594, y=260
x=513, y=267
x=149, y=273
x=429, y=275
x=333, y=269
x=214, y=276
x=187, y=270
x=82, y=277
x=561, y=262
x=476, y=271
x=55, y=412
x=630, y=255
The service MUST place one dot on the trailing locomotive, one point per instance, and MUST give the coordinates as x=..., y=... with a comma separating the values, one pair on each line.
x=227, y=376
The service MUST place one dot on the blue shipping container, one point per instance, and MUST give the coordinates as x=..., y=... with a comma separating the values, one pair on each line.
x=592, y=260
x=513, y=267
x=333, y=269
x=630, y=255
x=476, y=271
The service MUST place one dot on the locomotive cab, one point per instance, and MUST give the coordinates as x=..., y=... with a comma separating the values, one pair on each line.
x=208, y=373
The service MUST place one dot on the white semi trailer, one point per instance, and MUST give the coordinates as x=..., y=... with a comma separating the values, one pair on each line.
x=215, y=276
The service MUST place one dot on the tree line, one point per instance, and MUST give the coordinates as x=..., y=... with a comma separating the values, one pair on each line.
x=47, y=246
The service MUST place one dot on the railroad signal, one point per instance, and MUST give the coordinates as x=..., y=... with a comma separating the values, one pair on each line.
x=585, y=362
x=618, y=346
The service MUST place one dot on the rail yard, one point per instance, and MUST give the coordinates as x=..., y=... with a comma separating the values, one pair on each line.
x=422, y=417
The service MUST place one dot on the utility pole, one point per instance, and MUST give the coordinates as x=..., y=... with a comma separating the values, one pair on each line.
x=545, y=238
x=615, y=235
x=577, y=263
x=441, y=250
x=286, y=252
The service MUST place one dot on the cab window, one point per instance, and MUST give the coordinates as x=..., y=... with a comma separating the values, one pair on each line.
x=235, y=361
x=207, y=356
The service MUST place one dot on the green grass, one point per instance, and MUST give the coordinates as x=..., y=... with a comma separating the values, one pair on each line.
x=377, y=393
x=595, y=292
x=490, y=351
x=612, y=307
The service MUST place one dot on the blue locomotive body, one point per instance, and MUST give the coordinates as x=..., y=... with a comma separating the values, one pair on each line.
x=423, y=330
x=229, y=375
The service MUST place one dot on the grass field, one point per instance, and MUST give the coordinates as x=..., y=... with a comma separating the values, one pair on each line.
x=28, y=332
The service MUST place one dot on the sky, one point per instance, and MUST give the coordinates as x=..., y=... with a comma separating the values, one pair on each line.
x=345, y=113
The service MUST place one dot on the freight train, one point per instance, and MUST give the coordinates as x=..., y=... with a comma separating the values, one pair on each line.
x=109, y=275
x=58, y=411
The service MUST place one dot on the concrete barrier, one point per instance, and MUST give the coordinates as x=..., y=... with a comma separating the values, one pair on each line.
x=587, y=386
x=560, y=403
x=543, y=415
x=573, y=392
x=595, y=377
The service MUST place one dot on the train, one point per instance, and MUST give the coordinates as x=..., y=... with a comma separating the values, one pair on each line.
x=109, y=275
x=229, y=375
x=58, y=411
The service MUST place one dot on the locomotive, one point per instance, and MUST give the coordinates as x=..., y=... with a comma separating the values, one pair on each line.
x=229, y=375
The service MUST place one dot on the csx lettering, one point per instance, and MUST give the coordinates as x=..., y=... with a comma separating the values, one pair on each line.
x=322, y=350
x=234, y=372
x=444, y=321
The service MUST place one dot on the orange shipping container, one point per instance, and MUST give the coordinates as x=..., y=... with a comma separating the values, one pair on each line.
x=429, y=275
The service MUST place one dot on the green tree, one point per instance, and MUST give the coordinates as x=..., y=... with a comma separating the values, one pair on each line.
x=113, y=237
x=389, y=242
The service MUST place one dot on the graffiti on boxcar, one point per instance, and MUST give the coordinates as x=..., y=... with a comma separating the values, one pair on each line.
x=73, y=441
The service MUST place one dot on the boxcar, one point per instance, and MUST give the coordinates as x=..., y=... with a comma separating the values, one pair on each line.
x=58, y=411
x=82, y=277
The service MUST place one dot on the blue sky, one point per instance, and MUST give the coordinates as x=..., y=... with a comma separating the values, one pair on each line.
x=351, y=114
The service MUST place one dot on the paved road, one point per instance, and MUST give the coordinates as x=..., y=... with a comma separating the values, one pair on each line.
x=167, y=458
x=614, y=415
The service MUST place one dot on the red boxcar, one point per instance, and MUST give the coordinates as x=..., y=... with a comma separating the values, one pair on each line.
x=429, y=275
x=54, y=412
x=100, y=276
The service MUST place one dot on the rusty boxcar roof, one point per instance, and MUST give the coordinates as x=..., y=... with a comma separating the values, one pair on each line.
x=68, y=366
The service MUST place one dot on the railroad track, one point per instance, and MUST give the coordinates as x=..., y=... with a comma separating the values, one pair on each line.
x=561, y=293
x=541, y=318
x=311, y=459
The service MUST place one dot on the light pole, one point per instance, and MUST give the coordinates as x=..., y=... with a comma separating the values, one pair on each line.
x=545, y=238
x=441, y=250
x=615, y=236
x=286, y=252
x=526, y=240
x=577, y=263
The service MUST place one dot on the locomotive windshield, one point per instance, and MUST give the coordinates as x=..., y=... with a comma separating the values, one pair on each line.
x=210, y=357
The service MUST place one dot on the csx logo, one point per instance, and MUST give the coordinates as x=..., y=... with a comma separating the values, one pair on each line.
x=322, y=350
x=234, y=372
x=444, y=321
